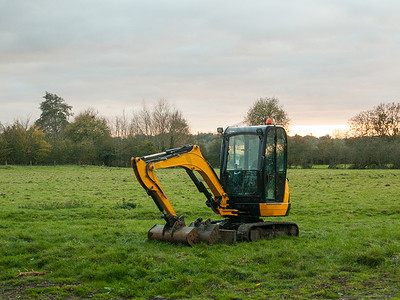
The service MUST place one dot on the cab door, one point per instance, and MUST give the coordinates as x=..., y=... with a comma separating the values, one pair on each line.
x=275, y=164
x=281, y=163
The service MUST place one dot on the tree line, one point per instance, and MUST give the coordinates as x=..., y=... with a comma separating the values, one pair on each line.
x=91, y=138
x=372, y=142
x=351, y=152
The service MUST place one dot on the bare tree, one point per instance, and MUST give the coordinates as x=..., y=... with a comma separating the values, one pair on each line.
x=135, y=125
x=145, y=121
x=170, y=128
x=161, y=117
x=162, y=124
x=121, y=126
x=178, y=129
x=382, y=120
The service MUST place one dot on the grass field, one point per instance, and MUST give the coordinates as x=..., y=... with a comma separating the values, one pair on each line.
x=88, y=226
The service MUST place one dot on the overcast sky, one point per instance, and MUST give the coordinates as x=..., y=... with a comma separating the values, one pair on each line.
x=324, y=60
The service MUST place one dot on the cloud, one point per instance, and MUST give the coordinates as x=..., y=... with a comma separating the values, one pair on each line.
x=324, y=60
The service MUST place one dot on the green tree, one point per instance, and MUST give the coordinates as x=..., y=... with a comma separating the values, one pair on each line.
x=302, y=151
x=331, y=151
x=210, y=146
x=214, y=151
x=394, y=153
x=365, y=152
x=92, y=138
x=62, y=152
x=88, y=125
x=54, y=116
x=25, y=145
x=15, y=136
x=37, y=147
x=265, y=108
x=4, y=149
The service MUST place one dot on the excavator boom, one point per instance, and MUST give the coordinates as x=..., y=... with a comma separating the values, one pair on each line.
x=191, y=159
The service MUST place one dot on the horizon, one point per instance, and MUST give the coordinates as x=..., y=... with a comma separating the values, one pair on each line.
x=337, y=130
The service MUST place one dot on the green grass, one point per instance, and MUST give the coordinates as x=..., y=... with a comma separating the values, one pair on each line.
x=88, y=225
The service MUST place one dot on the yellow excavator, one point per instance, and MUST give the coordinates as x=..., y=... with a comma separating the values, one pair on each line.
x=252, y=184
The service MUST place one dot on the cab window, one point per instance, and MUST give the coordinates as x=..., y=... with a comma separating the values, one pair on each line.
x=243, y=152
x=242, y=164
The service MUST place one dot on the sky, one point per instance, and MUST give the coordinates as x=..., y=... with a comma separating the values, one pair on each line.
x=325, y=61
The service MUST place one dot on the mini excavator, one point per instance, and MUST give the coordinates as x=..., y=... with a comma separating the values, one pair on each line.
x=252, y=184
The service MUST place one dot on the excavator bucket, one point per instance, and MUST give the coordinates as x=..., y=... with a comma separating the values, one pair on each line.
x=208, y=233
x=175, y=231
x=185, y=235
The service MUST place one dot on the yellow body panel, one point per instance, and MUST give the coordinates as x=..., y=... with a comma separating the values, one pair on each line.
x=273, y=210
x=276, y=209
x=286, y=195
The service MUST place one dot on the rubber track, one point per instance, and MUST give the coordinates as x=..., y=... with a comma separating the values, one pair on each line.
x=289, y=228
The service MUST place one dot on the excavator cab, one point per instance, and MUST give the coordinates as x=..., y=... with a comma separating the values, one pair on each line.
x=253, y=170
